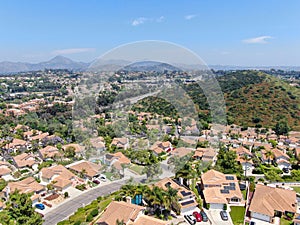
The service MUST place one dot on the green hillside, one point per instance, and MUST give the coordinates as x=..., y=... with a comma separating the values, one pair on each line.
x=252, y=98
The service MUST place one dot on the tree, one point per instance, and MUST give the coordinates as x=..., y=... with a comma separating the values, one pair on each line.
x=152, y=171
x=270, y=155
x=227, y=162
x=271, y=175
x=66, y=194
x=282, y=128
x=20, y=210
x=70, y=152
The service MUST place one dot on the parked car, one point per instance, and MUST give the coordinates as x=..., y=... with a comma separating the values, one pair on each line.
x=224, y=215
x=285, y=170
x=190, y=220
x=197, y=216
x=204, y=216
x=40, y=206
x=103, y=177
x=96, y=181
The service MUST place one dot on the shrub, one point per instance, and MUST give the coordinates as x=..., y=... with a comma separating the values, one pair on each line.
x=94, y=212
x=225, y=207
x=207, y=205
x=66, y=194
x=77, y=223
x=89, y=218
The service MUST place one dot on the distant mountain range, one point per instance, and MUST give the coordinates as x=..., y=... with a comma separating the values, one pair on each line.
x=58, y=62
x=61, y=62
x=149, y=66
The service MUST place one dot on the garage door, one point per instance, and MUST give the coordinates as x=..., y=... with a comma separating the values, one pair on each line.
x=216, y=206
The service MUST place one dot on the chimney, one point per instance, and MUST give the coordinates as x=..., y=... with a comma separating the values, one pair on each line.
x=128, y=199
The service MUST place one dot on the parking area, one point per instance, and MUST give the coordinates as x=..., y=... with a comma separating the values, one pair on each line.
x=215, y=218
x=190, y=213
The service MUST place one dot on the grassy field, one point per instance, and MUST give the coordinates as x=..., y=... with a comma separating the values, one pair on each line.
x=237, y=214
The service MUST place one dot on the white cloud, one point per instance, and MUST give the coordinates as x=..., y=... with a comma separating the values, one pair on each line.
x=142, y=20
x=189, y=17
x=139, y=21
x=160, y=19
x=258, y=40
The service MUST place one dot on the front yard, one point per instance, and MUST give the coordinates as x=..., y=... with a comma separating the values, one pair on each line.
x=283, y=221
x=237, y=214
x=297, y=189
x=137, y=169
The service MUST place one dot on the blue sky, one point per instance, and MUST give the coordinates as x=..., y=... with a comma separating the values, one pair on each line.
x=237, y=33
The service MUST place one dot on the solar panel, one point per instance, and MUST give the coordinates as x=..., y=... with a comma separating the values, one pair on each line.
x=227, y=187
x=184, y=193
x=229, y=177
x=224, y=191
x=187, y=203
x=232, y=184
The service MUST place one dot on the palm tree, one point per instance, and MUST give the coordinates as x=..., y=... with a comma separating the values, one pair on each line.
x=82, y=173
x=269, y=154
x=186, y=173
x=173, y=198
x=120, y=222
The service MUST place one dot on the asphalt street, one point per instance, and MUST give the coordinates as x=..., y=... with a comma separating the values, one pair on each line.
x=69, y=207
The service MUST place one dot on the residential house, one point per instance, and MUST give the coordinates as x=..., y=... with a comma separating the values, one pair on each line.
x=98, y=143
x=121, y=211
x=25, y=160
x=148, y=220
x=281, y=158
x=28, y=185
x=5, y=171
x=59, y=176
x=220, y=189
x=78, y=149
x=242, y=155
x=86, y=168
x=268, y=202
x=182, y=151
x=116, y=159
x=209, y=154
x=17, y=145
x=161, y=146
x=49, y=152
x=187, y=199
x=122, y=143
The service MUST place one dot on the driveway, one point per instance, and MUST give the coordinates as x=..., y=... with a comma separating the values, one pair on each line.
x=215, y=218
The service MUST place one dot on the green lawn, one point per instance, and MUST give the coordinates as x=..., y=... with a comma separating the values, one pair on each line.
x=137, y=169
x=285, y=222
x=237, y=214
x=297, y=189
x=108, y=175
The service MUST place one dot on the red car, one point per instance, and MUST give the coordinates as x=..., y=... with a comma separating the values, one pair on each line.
x=197, y=216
